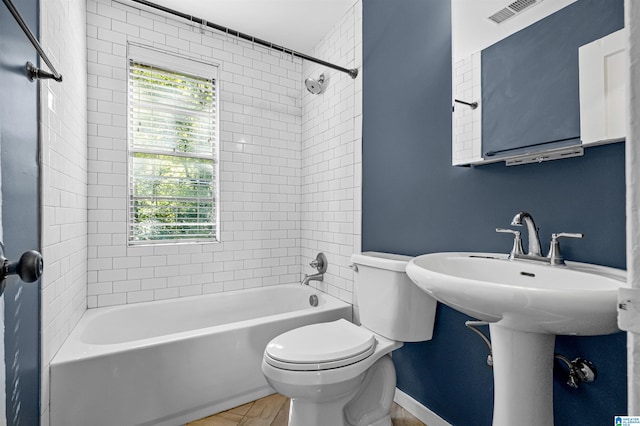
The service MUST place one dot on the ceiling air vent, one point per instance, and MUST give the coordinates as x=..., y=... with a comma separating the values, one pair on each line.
x=512, y=10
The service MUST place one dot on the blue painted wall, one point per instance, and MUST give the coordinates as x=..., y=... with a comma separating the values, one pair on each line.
x=20, y=212
x=415, y=202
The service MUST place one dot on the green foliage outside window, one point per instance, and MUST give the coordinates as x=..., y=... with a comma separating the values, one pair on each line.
x=172, y=163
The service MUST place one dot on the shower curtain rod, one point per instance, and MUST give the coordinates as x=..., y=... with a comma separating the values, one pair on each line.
x=33, y=72
x=352, y=72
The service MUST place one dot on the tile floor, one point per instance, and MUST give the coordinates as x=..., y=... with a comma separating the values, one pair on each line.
x=273, y=410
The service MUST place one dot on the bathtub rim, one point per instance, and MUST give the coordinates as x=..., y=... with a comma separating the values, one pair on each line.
x=74, y=349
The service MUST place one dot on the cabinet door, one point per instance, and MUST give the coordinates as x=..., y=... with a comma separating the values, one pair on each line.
x=603, y=82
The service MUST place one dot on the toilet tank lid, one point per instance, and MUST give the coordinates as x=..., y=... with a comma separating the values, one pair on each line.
x=388, y=261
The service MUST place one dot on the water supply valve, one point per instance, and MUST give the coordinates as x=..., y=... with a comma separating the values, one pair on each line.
x=29, y=267
x=580, y=370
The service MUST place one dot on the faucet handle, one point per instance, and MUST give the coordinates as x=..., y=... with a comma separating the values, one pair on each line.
x=517, y=241
x=555, y=256
x=320, y=263
x=508, y=231
x=566, y=235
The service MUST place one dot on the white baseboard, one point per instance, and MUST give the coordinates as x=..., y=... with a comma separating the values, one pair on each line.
x=418, y=410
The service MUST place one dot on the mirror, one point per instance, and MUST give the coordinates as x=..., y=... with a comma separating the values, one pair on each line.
x=516, y=80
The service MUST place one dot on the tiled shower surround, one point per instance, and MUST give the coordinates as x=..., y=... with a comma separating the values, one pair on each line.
x=63, y=171
x=331, y=157
x=288, y=186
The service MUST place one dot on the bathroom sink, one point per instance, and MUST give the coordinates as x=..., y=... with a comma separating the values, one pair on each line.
x=576, y=299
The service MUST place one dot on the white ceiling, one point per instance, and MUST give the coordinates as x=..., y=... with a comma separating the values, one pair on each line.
x=472, y=31
x=294, y=24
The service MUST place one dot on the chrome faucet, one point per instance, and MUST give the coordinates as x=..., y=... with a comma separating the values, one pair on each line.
x=312, y=277
x=320, y=264
x=532, y=231
x=535, y=253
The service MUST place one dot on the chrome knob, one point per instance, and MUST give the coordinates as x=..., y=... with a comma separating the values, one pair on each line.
x=320, y=263
x=28, y=268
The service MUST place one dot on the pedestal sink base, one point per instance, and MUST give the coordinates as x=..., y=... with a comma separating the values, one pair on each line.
x=523, y=377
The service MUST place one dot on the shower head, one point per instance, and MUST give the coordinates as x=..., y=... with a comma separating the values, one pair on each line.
x=315, y=86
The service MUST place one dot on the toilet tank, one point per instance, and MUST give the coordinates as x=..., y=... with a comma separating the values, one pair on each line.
x=390, y=304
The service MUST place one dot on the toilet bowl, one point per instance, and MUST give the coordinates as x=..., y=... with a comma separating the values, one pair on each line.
x=339, y=373
x=322, y=367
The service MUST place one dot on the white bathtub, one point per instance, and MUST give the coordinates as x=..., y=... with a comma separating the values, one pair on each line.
x=173, y=361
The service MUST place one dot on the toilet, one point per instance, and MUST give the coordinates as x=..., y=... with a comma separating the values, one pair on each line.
x=339, y=373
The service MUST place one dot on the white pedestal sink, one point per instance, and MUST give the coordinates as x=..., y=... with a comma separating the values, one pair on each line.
x=527, y=304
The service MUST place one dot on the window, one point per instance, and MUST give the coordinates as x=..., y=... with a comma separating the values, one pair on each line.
x=173, y=193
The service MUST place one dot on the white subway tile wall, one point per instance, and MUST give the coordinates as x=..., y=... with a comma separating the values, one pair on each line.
x=467, y=122
x=332, y=157
x=261, y=165
x=63, y=129
x=290, y=166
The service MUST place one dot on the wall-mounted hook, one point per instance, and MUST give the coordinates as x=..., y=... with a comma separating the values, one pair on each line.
x=472, y=105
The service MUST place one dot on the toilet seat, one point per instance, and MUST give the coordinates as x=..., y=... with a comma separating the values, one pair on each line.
x=321, y=346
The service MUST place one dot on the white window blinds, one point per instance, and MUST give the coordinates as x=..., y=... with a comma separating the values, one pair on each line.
x=172, y=156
